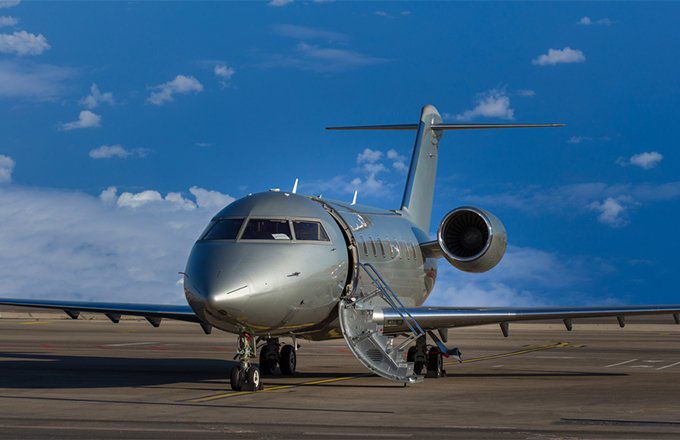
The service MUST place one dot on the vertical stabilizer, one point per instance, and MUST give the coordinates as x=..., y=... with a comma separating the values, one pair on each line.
x=419, y=191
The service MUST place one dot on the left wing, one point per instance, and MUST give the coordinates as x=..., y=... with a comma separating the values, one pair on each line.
x=153, y=313
x=431, y=318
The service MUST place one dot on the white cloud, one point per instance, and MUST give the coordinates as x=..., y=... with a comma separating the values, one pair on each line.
x=32, y=81
x=612, y=211
x=8, y=21
x=180, y=85
x=587, y=21
x=405, y=12
x=524, y=277
x=111, y=151
x=96, y=97
x=646, y=160
x=279, y=2
x=86, y=119
x=583, y=139
x=560, y=56
x=383, y=14
x=71, y=245
x=23, y=43
x=526, y=92
x=210, y=199
x=6, y=4
x=369, y=177
x=6, y=168
x=322, y=59
x=369, y=156
x=308, y=33
x=577, y=199
x=398, y=161
x=224, y=73
x=493, y=103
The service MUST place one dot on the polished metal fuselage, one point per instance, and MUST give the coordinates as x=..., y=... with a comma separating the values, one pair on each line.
x=281, y=287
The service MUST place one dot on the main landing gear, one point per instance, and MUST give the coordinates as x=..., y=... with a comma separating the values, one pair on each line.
x=245, y=377
x=272, y=354
x=248, y=377
x=429, y=358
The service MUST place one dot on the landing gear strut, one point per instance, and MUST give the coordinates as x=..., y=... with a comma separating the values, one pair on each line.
x=245, y=376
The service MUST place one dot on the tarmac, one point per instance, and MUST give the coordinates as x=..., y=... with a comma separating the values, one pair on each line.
x=90, y=378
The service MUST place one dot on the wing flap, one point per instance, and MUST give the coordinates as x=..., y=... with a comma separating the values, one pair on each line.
x=431, y=318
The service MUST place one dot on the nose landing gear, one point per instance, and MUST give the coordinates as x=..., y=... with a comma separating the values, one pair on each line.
x=245, y=376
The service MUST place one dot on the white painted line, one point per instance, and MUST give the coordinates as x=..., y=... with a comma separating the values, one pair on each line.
x=654, y=361
x=620, y=363
x=130, y=344
x=640, y=366
x=668, y=366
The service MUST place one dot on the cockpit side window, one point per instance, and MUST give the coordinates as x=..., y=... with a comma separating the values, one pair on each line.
x=223, y=229
x=308, y=230
x=261, y=229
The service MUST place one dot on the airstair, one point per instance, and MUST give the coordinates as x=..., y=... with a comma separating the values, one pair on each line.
x=377, y=351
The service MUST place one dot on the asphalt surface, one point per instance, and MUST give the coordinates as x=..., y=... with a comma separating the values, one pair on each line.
x=93, y=379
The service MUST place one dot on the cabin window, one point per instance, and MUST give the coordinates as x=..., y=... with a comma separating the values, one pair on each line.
x=305, y=230
x=260, y=229
x=224, y=229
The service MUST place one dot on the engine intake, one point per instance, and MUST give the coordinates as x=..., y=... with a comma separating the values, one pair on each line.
x=472, y=239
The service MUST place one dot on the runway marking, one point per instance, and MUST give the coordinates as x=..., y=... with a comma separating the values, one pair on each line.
x=620, y=363
x=345, y=378
x=668, y=366
x=34, y=323
x=273, y=388
x=130, y=344
x=531, y=349
x=357, y=434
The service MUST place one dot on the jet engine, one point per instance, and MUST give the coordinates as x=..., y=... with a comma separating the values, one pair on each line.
x=472, y=239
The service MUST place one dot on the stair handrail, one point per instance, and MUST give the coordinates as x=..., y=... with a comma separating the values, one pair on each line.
x=394, y=301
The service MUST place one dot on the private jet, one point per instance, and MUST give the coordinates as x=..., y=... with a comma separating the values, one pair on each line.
x=278, y=265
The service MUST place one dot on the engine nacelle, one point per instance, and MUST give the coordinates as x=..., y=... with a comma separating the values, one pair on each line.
x=472, y=239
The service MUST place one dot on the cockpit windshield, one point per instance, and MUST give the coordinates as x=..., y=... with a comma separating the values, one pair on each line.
x=261, y=229
x=224, y=229
x=308, y=230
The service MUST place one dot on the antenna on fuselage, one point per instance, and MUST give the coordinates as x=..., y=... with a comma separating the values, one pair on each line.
x=295, y=186
x=354, y=199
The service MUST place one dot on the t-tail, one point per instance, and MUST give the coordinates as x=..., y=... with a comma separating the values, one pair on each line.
x=419, y=191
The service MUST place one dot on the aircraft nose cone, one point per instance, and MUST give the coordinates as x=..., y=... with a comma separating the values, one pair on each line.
x=214, y=279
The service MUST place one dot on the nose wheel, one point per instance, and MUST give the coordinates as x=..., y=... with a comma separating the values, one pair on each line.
x=245, y=377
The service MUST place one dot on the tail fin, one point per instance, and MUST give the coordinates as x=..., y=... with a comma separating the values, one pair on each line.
x=419, y=191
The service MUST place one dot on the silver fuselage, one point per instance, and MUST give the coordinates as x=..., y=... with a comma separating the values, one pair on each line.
x=279, y=287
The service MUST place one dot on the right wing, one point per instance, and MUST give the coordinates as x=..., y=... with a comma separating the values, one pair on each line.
x=152, y=312
x=431, y=318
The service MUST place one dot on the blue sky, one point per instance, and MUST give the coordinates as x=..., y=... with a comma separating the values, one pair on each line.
x=125, y=126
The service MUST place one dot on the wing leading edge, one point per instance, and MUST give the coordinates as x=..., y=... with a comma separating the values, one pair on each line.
x=152, y=312
x=431, y=318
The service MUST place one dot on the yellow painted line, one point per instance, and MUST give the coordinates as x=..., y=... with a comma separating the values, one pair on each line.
x=529, y=349
x=34, y=323
x=513, y=353
x=273, y=388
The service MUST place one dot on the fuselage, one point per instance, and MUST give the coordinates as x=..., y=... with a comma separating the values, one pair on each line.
x=277, y=263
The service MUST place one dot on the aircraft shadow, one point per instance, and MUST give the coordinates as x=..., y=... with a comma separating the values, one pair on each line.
x=23, y=370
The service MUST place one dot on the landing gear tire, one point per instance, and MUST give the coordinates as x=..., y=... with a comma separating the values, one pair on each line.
x=435, y=363
x=237, y=378
x=254, y=379
x=287, y=360
x=417, y=364
x=269, y=359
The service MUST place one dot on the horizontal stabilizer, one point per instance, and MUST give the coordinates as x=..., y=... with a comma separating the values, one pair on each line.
x=442, y=126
